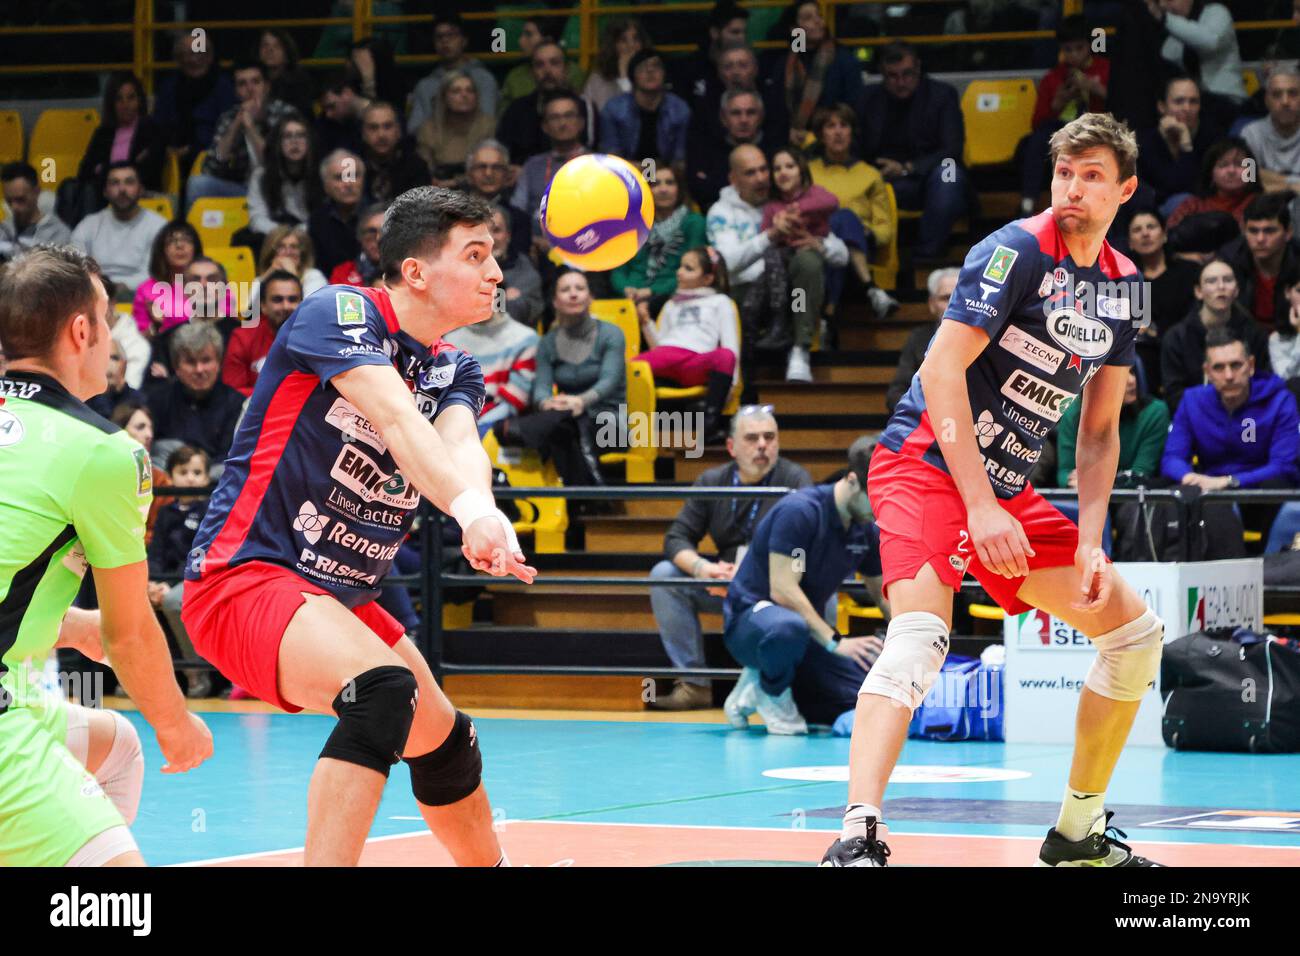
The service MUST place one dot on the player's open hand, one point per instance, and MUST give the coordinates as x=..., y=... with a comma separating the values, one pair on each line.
x=489, y=545
x=863, y=650
x=1095, y=583
x=1000, y=541
x=185, y=745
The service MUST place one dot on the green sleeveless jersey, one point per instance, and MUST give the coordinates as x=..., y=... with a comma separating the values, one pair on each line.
x=75, y=492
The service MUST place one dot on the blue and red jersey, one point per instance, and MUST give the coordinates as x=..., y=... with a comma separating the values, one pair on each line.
x=310, y=484
x=1051, y=325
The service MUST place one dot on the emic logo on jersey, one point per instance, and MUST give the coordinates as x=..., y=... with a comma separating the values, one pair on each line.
x=1039, y=397
x=1034, y=351
x=357, y=472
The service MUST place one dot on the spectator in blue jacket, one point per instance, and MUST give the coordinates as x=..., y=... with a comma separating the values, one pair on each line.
x=912, y=131
x=649, y=121
x=190, y=101
x=1243, y=430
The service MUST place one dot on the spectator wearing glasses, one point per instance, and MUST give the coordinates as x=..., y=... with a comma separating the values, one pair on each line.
x=450, y=43
x=912, y=131
x=754, y=445
x=522, y=126
x=392, y=164
x=157, y=307
x=364, y=269
x=562, y=118
x=287, y=187
x=487, y=175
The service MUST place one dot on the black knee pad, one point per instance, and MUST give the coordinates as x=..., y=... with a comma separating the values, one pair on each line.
x=375, y=712
x=451, y=772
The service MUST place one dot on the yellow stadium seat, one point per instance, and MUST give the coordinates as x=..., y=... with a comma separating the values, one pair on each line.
x=197, y=166
x=1251, y=79
x=218, y=218
x=162, y=205
x=670, y=393
x=847, y=608
x=1282, y=620
x=884, y=270
x=546, y=518
x=11, y=136
x=621, y=312
x=171, y=180
x=998, y=114
x=241, y=269
x=640, y=458
x=59, y=142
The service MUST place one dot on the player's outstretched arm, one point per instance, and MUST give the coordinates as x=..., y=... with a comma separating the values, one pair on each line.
x=138, y=651
x=999, y=541
x=379, y=393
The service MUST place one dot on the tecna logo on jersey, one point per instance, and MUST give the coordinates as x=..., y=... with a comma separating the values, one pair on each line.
x=344, y=416
x=1037, y=396
x=1034, y=351
x=1079, y=334
x=357, y=472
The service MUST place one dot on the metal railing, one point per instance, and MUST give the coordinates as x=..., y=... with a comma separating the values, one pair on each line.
x=363, y=22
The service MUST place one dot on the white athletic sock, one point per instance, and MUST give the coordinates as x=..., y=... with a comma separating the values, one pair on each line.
x=855, y=820
x=1081, y=814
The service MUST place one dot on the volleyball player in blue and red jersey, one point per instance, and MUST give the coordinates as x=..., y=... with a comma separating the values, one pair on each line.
x=359, y=410
x=1044, y=310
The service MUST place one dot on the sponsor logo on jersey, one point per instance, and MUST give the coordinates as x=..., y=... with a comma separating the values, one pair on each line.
x=1034, y=351
x=1045, y=287
x=1011, y=444
x=959, y=564
x=143, y=473
x=366, y=349
x=375, y=550
x=1060, y=277
x=999, y=264
x=11, y=428
x=437, y=376
x=426, y=404
x=986, y=430
x=319, y=566
x=975, y=305
x=987, y=291
x=349, y=307
x=310, y=523
x=344, y=416
x=1032, y=393
x=75, y=560
x=23, y=390
x=1009, y=477
x=1092, y=370
x=1032, y=425
x=1112, y=307
x=1078, y=334
x=359, y=473
x=356, y=335
x=378, y=516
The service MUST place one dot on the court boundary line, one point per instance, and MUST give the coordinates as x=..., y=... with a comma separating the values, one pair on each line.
x=701, y=826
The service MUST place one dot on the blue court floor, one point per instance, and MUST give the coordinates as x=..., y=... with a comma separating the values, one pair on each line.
x=657, y=778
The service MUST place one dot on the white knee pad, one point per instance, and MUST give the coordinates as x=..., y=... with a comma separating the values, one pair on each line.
x=915, y=646
x=1128, y=659
x=122, y=772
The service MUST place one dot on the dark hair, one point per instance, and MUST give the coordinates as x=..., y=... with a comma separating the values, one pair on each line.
x=860, y=458
x=41, y=289
x=724, y=11
x=1205, y=187
x=122, y=164
x=117, y=80
x=678, y=169
x=551, y=96
x=341, y=80
x=374, y=209
x=712, y=265
x=419, y=221
x=275, y=169
x=183, y=455
x=11, y=171
x=1152, y=212
x=290, y=48
x=249, y=63
x=158, y=254
x=1073, y=28
x=842, y=111
x=1221, y=335
x=1275, y=205
x=546, y=42
x=607, y=52
x=450, y=19
x=123, y=411
x=282, y=275
x=800, y=160
x=551, y=28
x=1176, y=76
x=641, y=56
x=896, y=51
x=388, y=82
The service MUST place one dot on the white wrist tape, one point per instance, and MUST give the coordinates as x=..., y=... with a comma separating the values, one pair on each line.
x=470, y=505
x=511, y=538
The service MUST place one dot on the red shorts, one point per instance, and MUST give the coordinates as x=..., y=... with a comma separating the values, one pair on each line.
x=236, y=619
x=922, y=519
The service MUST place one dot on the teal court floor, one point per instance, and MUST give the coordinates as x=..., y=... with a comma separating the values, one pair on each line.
x=602, y=792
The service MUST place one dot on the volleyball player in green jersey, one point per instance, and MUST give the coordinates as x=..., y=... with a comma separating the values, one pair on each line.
x=74, y=493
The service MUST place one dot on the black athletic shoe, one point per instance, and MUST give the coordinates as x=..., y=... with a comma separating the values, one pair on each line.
x=859, y=851
x=1097, y=849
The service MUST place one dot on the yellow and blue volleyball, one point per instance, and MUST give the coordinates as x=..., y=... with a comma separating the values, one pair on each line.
x=597, y=212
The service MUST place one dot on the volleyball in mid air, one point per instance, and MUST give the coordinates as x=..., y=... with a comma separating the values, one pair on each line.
x=597, y=212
